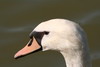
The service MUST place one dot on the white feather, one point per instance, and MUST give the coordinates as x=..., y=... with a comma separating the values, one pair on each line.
x=68, y=38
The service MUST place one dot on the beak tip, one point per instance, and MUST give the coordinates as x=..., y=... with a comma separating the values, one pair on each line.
x=15, y=57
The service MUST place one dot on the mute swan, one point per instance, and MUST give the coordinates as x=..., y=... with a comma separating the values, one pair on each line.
x=61, y=35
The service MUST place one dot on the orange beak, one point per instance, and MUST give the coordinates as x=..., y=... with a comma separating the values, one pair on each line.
x=28, y=49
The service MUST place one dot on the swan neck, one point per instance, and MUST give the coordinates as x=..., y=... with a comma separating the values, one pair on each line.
x=76, y=59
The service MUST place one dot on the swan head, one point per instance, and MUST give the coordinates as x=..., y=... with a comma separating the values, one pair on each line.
x=55, y=34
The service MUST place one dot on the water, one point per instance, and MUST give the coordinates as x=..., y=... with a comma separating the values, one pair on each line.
x=18, y=18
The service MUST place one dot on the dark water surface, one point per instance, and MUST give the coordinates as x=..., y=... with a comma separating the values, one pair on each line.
x=19, y=17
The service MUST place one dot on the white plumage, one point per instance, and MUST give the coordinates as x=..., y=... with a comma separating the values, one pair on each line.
x=68, y=38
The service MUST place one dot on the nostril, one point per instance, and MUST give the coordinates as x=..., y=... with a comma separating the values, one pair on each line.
x=30, y=42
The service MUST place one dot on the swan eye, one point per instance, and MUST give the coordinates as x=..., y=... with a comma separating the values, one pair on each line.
x=46, y=32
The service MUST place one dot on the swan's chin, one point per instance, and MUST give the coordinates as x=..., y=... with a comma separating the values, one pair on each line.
x=45, y=49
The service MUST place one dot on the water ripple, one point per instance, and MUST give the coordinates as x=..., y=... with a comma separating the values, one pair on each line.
x=17, y=29
x=88, y=17
x=95, y=55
